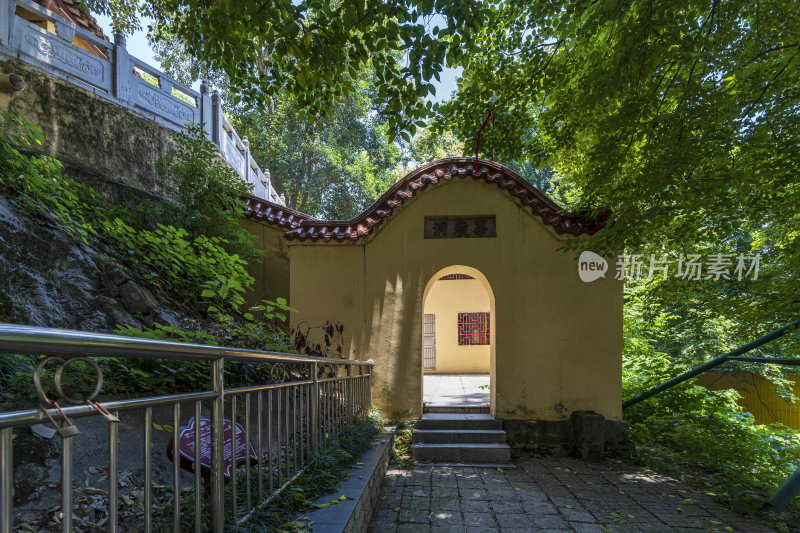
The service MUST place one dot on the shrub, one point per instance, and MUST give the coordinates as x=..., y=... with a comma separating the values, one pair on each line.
x=699, y=427
x=207, y=193
x=193, y=250
x=181, y=262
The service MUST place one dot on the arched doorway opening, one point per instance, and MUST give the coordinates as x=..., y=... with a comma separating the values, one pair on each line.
x=458, y=339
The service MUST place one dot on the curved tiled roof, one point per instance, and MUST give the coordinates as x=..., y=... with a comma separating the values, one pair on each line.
x=273, y=213
x=431, y=174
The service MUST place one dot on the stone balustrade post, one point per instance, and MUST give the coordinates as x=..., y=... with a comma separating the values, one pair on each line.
x=268, y=184
x=122, y=68
x=5, y=14
x=12, y=34
x=246, y=144
x=165, y=84
x=205, y=110
x=64, y=29
x=216, y=118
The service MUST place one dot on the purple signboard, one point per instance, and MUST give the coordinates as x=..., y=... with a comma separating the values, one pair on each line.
x=186, y=444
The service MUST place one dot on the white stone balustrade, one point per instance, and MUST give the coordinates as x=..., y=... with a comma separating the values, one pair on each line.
x=127, y=81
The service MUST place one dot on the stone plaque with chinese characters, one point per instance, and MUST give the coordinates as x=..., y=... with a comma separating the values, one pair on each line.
x=460, y=227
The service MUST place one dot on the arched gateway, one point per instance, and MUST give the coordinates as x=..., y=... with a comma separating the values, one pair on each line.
x=556, y=348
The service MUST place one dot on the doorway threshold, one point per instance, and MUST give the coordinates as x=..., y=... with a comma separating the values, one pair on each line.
x=464, y=409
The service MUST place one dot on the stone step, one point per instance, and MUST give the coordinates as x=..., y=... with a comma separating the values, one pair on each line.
x=461, y=453
x=466, y=409
x=450, y=436
x=458, y=421
x=504, y=466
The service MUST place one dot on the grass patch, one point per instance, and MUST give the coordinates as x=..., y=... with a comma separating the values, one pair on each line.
x=401, y=448
x=324, y=474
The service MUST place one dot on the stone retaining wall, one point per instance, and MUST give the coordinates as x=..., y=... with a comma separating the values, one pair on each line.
x=113, y=148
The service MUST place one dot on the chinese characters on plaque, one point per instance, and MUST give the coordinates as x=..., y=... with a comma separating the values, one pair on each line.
x=460, y=227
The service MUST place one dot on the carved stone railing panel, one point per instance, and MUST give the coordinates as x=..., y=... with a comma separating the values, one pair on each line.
x=55, y=52
x=154, y=100
x=233, y=155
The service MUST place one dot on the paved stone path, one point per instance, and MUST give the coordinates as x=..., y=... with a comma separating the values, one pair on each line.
x=452, y=389
x=548, y=494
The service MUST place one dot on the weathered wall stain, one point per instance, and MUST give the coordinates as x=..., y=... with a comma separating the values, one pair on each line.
x=92, y=137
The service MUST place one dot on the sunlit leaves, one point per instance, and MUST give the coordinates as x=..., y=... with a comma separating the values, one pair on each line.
x=313, y=50
x=680, y=117
x=333, y=168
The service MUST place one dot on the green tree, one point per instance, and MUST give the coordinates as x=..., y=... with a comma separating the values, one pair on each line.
x=333, y=168
x=313, y=50
x=680, y=117
x=429, y=145
x=207, y=193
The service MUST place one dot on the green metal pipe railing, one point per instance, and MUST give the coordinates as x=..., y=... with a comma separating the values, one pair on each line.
x=717, y=361
x=784, y=495
x=791, y=488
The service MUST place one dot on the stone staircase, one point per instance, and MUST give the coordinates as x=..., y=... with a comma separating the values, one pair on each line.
x=459, y=435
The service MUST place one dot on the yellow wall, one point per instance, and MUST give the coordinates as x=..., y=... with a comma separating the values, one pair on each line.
x=446, y=299
x=758, y=395
x=272, y=272
x=557, y=344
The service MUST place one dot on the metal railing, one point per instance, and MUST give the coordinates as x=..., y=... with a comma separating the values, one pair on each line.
x=791, y=487
x=733, y=355
x=256, y=441
x=124, y=80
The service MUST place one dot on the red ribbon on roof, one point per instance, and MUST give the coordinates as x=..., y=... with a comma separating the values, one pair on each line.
x=478, y=144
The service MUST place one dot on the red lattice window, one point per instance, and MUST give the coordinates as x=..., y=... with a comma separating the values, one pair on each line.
x=473, y=329
x=455, y=276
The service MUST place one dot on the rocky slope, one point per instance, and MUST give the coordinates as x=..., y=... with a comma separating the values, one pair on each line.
x=49, y=279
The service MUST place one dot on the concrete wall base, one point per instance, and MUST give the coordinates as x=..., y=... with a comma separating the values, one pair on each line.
x=363, y=485
x=585, y=434
x=90, y=135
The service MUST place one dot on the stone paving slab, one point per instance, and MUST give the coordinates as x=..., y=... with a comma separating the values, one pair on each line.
x=455, y=389
x=548, y=494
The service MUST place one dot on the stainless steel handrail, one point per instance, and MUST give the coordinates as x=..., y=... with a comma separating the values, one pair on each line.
x=298, y=416
x=34, y=340
x=35, y=416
